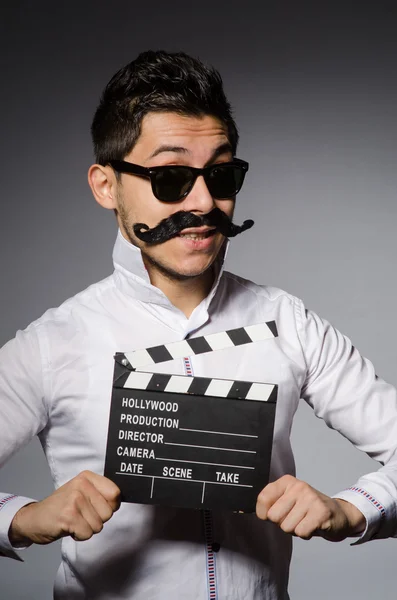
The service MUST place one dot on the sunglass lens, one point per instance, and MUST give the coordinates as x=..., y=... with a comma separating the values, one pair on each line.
x=171, y=185
x=225, y=181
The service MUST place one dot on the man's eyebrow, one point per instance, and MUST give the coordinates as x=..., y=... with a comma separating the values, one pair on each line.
x=168, y=148
x=222, y=149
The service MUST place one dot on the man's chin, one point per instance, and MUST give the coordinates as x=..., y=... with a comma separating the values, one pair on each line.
x=177, y=271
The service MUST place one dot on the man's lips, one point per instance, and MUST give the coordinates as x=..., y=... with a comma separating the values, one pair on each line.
x=197, y=230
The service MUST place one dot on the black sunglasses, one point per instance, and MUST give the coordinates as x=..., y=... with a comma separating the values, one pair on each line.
x=172, y=183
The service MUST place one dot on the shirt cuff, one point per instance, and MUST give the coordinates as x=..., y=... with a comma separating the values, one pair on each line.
x=373, y=511
x=9, y=506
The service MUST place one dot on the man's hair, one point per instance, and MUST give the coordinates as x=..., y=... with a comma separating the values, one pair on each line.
x=156, y=81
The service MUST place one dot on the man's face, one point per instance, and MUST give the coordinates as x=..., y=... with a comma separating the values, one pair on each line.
x=172, y=139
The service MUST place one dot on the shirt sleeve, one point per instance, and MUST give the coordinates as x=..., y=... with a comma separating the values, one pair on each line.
x=23, y=414
x=344, y=390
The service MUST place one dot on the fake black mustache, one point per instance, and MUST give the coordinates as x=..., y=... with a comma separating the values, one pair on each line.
x=174, y=224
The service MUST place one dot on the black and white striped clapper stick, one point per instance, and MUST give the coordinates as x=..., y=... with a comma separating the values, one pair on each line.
x=202, y=386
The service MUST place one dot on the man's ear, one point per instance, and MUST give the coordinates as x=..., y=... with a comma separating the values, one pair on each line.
x=102, y=182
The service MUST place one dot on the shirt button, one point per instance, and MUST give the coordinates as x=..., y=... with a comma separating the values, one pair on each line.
x=216, y=547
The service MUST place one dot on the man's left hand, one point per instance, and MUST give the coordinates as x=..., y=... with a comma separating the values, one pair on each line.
x=303, y=511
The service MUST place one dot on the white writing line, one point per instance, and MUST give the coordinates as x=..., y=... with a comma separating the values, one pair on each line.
x=202, y=495
x=218, y=432
x=181, y=479
x=209, y=447
x=197, y=462
x=151, y=491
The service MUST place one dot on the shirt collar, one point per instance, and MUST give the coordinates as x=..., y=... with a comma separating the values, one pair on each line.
x=133, y=279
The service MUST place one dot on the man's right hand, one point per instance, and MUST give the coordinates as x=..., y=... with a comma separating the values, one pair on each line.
x=79, y=509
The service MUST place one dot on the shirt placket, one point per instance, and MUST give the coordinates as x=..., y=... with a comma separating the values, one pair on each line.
x=207, y=524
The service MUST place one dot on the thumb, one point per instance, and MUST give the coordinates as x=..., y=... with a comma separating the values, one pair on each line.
x=107, y=488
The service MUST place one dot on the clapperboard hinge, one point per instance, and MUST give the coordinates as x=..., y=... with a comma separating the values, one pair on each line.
x=131, y=378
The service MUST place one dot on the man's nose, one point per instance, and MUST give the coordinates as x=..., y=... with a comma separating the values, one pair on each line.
x=199, y=199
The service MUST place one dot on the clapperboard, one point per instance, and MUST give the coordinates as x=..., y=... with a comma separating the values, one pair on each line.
x=185, y=441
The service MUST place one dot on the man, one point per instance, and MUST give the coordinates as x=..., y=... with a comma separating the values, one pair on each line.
x=165, y=145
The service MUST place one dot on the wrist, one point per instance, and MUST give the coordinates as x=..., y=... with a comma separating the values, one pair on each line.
x=16, y=533
x=356, y=520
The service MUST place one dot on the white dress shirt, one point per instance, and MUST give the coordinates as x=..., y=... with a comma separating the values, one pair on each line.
x=56, y=381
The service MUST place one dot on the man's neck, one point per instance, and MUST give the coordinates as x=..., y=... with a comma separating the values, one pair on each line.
x=184, y=294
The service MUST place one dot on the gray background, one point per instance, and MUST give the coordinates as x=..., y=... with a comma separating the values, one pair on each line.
x=315, y=96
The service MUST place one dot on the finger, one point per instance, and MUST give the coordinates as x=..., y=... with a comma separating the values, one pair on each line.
x=77, y=516
x=101, y=506
x=307, y=528
x=90, y=515
x=269, y=496
x=318, y=521
x=294, y=518
x=81, y=530
x=281, y=508
x=105, y=487
x=95, y=499
x=72, y=520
